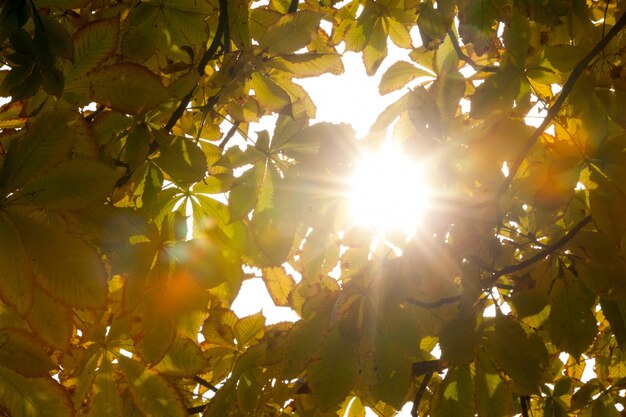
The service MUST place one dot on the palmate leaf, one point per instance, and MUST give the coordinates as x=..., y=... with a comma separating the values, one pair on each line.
x=48, y=140
x=93, y=44
x=125, y=87
x=572, y=324
x=268, y=93
x=72, y=185
x=105, y=398
x=249, y=329
x=66, y=266
x=399, y=74
x=20, y=352
x=16, y=273
x=308, y=64
x=393, y=372
x=492, y=395
x=50, y=320
x=152, y=393
x=291, y=32
x=455, y=397
x=334, y=371
x=33, y=397
x=522, y=356
x=182, y=159
x=279, y=284
x=185, y=359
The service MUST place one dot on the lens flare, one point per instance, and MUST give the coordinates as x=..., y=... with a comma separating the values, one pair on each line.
x=389, y=192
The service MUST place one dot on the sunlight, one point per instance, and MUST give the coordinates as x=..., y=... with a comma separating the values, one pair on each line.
x=389, y=192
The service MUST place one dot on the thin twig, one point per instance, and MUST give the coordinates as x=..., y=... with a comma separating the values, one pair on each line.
x=463, y=57
x=220, y=38
x=205, y=383
x=197, y=409
x=419, y=394
x=524, y=399
x=560, y=101
x=491, y=281
x=293, y=6
x=435, y=304
x=548, y=250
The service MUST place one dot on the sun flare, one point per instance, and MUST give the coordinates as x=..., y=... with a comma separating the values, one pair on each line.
x=389, y=192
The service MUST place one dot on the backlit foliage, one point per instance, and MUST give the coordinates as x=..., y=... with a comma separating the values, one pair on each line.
x=105, y=288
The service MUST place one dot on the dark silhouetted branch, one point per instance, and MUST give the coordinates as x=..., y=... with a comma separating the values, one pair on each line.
x=560, y=101
x=221, y=38
x=293, y=6
x=548, y=250
x=197, y=409
x=205, y=383
x=524, y=400
x=419, y=394
x=434, y=304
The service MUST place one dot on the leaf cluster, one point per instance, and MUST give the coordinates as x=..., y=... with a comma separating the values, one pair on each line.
x=128, y=223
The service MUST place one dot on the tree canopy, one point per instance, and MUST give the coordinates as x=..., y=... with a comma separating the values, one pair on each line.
x=115, y=301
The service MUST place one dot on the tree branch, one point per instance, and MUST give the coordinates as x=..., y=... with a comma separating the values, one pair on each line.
x=554, y=109
x=548, y=250
x=197, y=409
x=463, y=57
x=491, y=281
x=293, y=6
x=434, y=304
x=205, y=383
x=419, y=394
x=220, y=35
x=524, y=399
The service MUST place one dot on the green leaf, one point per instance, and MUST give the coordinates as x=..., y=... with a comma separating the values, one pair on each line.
x=333, y=373
x=614, y=312
x=600, y=264
x=269, y=94
x=375, y=50
x=572, y=324
x=493, y=396
x=33, y=397
x=65, y=266
x=400, y=74
x=309, y=64
x=124, y=87
x=73, y=185
x=50, y=320
x=522, y=356
x=279, y=285
x=393, y=372
x=105, y=399
x=249, y=392
x=458, y=340
x=21, y=352
x=16, y=273
x=292, y=32
x=582, y=397
x=181, y=158
x=93, y=44
x=184, y=359
x=249, y=329
x=455, y=395
x=48, y=141
x=152, y=393
x=302, y=342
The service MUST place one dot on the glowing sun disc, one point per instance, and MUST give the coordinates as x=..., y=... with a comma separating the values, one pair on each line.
x=389, y=192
